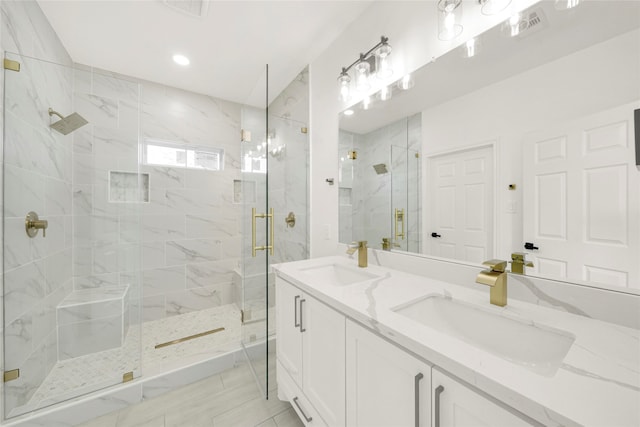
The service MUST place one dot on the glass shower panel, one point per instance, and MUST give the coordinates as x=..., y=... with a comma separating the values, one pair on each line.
x=413, y=201
x=399, y=197
x=71, y=294
x=257, y=225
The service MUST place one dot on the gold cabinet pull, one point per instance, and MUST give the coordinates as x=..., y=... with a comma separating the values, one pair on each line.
x=254, y=247
x=399, y=218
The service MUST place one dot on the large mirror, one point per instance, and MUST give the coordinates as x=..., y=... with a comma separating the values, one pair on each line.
x=521, y=140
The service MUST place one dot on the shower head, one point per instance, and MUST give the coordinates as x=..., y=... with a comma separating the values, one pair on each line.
x=380, y=168
x=68, y=124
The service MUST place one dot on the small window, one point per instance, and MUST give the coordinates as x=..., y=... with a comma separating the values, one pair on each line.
x=167, y=153
x=254, y=164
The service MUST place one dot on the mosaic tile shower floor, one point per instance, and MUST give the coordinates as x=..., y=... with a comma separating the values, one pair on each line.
x=73, y=377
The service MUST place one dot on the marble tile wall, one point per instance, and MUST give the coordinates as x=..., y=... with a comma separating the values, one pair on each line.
x=191, y=230
x=289, y=169
x=37, y=176
x=375, y=196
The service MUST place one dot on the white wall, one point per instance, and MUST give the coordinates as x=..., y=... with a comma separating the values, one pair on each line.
x=412, y=31
x=586, y=82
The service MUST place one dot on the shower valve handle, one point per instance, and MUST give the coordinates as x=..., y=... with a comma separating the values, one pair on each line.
x=32, y=224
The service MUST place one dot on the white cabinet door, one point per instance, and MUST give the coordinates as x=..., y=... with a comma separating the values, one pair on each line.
x=582, y=199
x=455, y=405
x=289, y=342
x=460, y=198
x=386, y=387
x=323, y=340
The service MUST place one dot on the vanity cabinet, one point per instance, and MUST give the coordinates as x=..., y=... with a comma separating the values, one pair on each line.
x=310, y=352
x=456, y=405
x=386, y=386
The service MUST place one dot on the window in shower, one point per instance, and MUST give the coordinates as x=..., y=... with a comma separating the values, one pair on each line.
x=175, y=154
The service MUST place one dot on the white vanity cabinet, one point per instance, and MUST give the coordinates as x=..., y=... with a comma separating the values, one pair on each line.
x=456, y=405
x=386, y=386
x=310, y=351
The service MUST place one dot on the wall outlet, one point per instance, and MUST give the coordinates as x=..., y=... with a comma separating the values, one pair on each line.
x=326, y=231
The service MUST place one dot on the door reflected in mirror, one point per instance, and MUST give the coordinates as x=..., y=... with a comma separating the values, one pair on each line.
x=531, y=140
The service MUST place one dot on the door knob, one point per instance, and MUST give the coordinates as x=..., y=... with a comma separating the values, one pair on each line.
x=530, y=246
x=32, y=224
x=436, y=235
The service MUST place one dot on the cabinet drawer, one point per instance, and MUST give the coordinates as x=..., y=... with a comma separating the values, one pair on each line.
x=289, y=391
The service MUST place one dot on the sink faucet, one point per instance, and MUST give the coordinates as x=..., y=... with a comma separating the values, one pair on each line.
x=519, y=262
x=496, y=278
x=387, y=244
x=361, y=247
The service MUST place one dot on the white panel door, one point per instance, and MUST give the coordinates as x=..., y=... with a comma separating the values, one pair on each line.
x=386, y=387
x=460, y=205
x=323, y=342
x=289, y=342
x=581, y=199
x=455, y=405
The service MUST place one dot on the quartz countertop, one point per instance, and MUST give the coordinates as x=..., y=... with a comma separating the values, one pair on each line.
x=597, y=383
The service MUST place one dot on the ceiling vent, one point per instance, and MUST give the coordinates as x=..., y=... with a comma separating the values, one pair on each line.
x=532, y=22
x=197, y=8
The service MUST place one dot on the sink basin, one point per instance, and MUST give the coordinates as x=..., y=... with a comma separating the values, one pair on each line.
x=339, y=275
x=539, y=348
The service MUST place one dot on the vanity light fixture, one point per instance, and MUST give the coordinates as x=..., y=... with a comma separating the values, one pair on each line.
x=374, y=61
x=181, y=60
x=449, y=18
x=471, y=48
x=493, y=7
x=566, y=4
x=362, y=71
x=406, y=82
x=344, y=83
x=385, y=93
x=366, y=102
x=515, y=25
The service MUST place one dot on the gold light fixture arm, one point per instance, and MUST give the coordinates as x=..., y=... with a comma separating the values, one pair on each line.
x=254, y=247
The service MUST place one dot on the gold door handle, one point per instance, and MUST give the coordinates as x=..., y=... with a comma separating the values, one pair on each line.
x=399, y=217
x=254, y=247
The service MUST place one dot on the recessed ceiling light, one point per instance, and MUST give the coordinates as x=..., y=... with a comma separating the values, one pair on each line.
x=181, y=60
x=348, y=112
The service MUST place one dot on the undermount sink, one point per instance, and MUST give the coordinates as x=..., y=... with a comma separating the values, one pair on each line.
x=339, y=275
x=539, y=348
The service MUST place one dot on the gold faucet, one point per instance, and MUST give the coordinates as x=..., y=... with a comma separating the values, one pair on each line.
x=387, y=244
x=496, y=278
x=361, y=247
x=519, y=262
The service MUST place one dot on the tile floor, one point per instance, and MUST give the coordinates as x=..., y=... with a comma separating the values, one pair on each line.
x=229, y=399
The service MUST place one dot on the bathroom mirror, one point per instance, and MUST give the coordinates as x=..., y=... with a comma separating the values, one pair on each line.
x=521, y=140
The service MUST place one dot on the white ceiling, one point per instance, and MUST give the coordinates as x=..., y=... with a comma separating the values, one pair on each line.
x=228, y=48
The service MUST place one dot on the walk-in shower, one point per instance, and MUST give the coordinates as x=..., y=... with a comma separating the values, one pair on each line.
x=146, y=265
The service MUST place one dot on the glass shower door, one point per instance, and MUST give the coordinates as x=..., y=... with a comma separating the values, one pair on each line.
x=71, y=299
x=257, y=231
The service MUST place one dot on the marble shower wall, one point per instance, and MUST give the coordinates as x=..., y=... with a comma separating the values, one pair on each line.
x=191, y=227
x=372, y=203
x=38, y=177
x=108, y=143
x=289, y=169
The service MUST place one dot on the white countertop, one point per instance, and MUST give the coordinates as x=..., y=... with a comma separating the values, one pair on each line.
x=597, y=384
